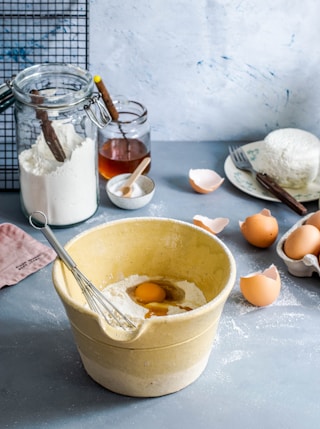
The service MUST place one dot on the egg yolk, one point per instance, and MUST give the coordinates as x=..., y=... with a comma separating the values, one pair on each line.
x=149, y=292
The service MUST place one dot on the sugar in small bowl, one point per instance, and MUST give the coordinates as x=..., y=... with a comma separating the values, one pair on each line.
x=142, y=191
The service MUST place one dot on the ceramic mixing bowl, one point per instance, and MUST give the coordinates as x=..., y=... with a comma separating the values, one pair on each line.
x=166, y=353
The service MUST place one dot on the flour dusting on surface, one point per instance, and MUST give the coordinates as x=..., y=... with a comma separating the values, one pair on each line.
x=157, y=209
x=261, y=335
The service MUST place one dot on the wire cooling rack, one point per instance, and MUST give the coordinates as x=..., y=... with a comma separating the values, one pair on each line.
x=36, y=32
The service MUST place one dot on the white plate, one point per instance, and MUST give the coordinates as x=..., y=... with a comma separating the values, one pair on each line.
x=247, y=183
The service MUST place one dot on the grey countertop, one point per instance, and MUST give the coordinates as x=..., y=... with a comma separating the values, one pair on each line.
x=264, y=369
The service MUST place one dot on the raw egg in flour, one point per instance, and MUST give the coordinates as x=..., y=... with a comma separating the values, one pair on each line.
x=158, y=296
x=149, y=292
x=203, y=180
x=261, y=288
x=261, y=229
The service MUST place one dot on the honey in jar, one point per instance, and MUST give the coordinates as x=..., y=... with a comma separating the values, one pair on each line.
x=125, y=141
x=117, y=156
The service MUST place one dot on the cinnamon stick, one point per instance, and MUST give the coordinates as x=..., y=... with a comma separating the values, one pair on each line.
x=49, y=133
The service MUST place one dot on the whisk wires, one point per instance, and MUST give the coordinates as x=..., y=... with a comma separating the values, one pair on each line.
x=99, y=303
x=96, y=300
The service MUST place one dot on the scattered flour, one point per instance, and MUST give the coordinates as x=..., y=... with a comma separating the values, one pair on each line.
x=234, y=356
x=158, y=209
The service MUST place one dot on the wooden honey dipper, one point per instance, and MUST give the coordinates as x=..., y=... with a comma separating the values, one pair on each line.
x=109, y=103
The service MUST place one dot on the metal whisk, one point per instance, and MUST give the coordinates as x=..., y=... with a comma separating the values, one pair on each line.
x=94, y=297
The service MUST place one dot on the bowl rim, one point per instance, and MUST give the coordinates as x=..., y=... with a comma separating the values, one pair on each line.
x=222, y=295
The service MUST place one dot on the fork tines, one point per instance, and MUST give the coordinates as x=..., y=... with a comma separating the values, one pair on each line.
x=238, y=154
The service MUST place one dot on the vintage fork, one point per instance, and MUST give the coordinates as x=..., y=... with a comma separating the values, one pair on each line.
x=241, y=161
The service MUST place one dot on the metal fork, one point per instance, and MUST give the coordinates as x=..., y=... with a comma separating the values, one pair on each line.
x=241, y=161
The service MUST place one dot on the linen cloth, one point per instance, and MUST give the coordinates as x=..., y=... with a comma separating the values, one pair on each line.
x=20, y=254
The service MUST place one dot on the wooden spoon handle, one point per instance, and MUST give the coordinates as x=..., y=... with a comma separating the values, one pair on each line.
x=137, y=172
x=106, y=98
x=268, y=183
x=126, y=189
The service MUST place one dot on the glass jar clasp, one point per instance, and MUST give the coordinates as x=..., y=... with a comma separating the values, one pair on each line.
x=97, y=111
x=6, y=95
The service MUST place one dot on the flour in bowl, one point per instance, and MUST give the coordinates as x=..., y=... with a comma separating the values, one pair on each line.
x=121, y=295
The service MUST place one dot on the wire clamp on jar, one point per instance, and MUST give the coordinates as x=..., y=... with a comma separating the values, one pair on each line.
x=103, y=117
x=6, y=95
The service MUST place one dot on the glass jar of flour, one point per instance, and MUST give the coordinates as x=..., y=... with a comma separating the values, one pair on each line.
x=57, y=143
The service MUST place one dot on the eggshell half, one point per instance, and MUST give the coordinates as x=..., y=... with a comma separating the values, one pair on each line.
x=212, y=225
x=203, y=180
x=261, y=288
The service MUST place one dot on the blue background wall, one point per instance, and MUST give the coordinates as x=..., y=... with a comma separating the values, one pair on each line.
x=212, y=69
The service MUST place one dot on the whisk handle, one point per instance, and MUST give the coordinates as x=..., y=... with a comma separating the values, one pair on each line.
x=48, y=233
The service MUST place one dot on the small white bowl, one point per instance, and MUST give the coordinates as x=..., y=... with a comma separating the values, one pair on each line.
x=143, y=191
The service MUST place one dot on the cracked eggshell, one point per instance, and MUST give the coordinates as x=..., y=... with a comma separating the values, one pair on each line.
x=212, y=225
x=261, y=288
x=261, y=229
x=203, y=180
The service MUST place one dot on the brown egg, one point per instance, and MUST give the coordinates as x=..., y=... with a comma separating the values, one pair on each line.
x=261, y=288
x=261, y=229
x=314, y=219
x=212, y=225
x=302, y=241
x=203, y=180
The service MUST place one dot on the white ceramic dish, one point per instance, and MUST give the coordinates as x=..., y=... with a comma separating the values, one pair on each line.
x=145, y=184
x=302, y=267
x=246, y=182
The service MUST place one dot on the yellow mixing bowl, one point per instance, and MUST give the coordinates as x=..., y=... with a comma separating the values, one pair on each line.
x=166, y=353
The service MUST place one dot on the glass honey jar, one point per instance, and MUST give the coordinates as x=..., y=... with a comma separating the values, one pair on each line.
x=126, y=141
